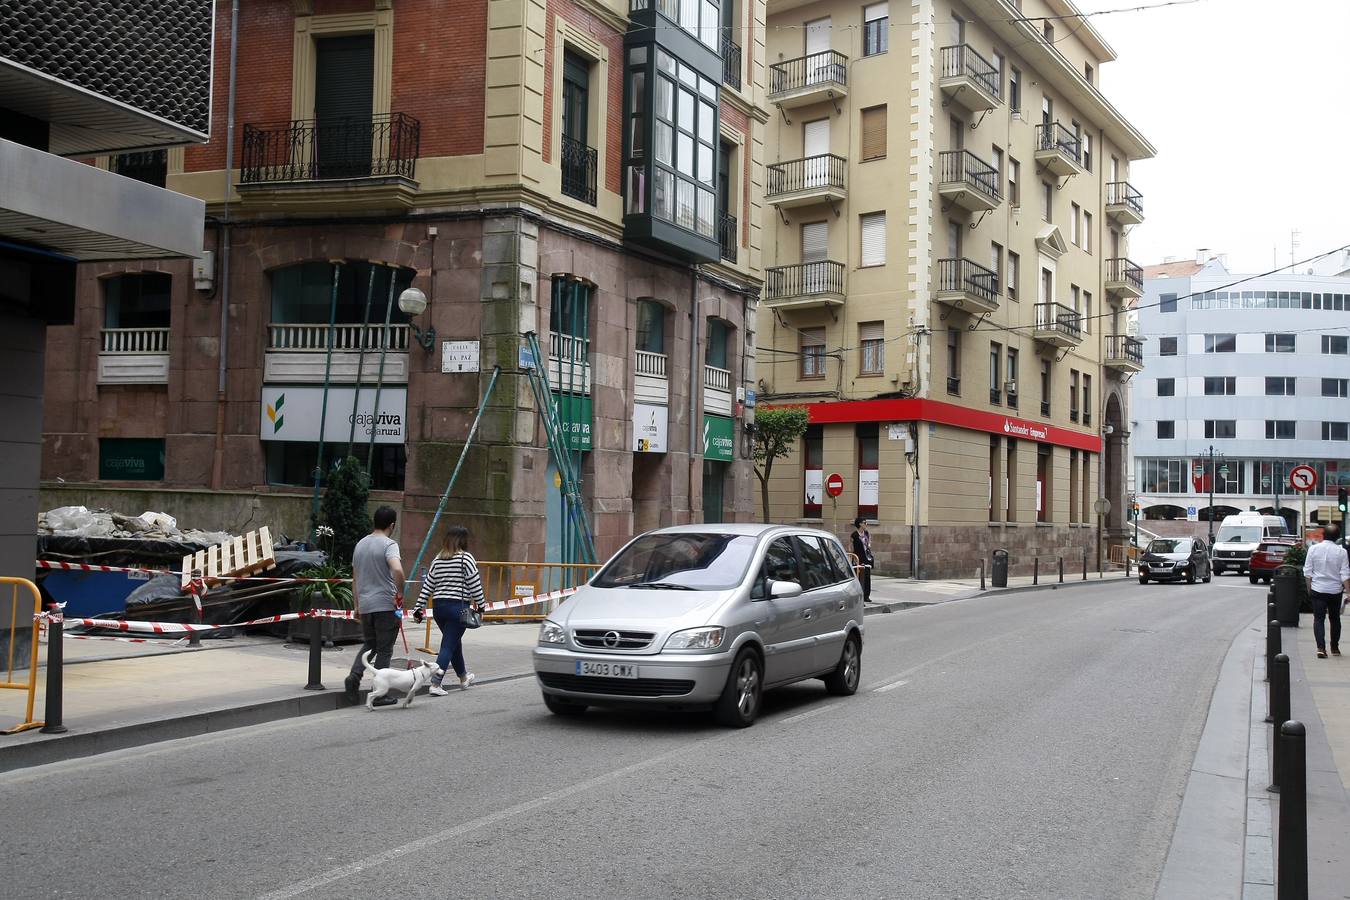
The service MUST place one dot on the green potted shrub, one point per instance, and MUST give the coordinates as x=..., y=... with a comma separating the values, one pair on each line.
x=1293, y=565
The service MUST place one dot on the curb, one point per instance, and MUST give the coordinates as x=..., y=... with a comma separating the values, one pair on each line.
x=76, y=744
x=890, y=606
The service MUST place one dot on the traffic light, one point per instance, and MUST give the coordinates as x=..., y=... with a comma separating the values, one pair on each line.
x=1340, y=501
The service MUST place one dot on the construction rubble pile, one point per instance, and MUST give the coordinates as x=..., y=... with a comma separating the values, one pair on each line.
x=78, y=521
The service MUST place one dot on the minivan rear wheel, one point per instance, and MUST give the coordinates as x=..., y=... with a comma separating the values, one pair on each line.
x=560, y=707
x=843, y=681
x=739, y=704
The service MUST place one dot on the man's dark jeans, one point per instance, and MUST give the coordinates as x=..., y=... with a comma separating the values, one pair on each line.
x=1328, y=605
x=379, y=630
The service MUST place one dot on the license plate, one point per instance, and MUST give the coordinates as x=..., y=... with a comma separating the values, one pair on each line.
x=607, y=670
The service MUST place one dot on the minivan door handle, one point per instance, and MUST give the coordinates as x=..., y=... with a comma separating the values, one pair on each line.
x=841, y=604
x=806, y=614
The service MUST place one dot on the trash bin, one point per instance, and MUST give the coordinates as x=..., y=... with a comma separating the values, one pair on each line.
x=1000, y=568
x=1287, y=595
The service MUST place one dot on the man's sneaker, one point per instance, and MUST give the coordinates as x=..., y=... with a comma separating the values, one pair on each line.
x=352, y=689
x=384, y=701
x=468, y=680
x=437, y=690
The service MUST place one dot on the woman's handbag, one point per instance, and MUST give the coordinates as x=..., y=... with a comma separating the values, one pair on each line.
x=470, y=617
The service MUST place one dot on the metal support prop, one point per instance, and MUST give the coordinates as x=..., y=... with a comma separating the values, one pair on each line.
x=379, y=378
x=323, y=412
x=1291, y=869
x=1279, y=714
x=360, y=359
x=454, y=475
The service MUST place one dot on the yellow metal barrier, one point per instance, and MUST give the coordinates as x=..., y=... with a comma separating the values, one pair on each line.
x=504, y=581
x=16, y=622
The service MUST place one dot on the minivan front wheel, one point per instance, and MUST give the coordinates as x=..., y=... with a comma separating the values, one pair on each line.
x=843, y=681
x=739, y=704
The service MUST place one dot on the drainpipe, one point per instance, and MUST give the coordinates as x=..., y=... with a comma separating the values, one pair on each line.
x=218, y=461
x=693, y=380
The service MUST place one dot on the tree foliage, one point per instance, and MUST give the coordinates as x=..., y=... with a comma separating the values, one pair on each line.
x=344, y=508
x=777, y=432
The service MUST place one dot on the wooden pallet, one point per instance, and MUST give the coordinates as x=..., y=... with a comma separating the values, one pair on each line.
x=242, y=556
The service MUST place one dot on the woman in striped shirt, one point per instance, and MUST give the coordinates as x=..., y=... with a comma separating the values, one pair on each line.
x=454, y=581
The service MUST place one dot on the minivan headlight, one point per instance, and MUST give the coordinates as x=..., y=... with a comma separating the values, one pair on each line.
x=709, y=638
x=552, y=633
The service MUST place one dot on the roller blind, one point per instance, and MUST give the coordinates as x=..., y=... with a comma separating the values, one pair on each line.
x=871, y=331
x=815, y=241
x=874, y=239
x=874, y=132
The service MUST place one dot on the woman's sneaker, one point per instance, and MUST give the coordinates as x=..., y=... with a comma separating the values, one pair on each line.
x=468, y=680
x=437, y=690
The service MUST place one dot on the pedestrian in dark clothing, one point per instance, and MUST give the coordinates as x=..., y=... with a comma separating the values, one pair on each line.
x=454, y=583
x=377, y=594
x=862, y=548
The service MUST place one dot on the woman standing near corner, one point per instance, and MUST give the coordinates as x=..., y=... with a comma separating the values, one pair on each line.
x=454, y=581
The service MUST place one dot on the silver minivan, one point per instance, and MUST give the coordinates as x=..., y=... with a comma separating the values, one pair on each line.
x=706, y=617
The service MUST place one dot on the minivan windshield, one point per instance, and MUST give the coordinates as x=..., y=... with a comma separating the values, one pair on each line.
x=1170, y=545
x=1238, y=534
x=681, y=561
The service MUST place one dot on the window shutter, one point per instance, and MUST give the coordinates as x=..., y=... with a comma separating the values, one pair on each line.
x=815, y=241
x=876, y=11
x=874, y=239
x=874, y=132
x=812, y=337
x=344, y=82
x=871, y=331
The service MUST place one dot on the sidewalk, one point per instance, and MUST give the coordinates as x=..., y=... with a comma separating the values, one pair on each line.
x=120, y=695
x=895, y=594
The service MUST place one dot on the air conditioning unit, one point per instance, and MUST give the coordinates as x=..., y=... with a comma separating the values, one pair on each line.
x=1010, y=386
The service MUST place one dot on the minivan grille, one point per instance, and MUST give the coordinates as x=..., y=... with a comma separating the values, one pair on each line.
x=618, y=687
x=617, y=640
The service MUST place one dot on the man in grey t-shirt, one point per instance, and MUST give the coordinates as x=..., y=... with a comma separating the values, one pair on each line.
x=377, y=590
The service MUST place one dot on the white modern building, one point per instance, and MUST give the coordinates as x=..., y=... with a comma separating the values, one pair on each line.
x=1256, y=373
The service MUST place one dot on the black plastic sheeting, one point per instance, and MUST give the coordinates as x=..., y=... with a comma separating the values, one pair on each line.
x=151, y=554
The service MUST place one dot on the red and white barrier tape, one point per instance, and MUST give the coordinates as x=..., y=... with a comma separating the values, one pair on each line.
x=188, y=627
x=125, y=640
x=514, y=602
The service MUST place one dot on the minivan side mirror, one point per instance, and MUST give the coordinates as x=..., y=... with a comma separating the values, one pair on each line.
x=784, y=590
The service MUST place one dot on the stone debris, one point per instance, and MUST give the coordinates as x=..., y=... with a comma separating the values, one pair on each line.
x=78, y=521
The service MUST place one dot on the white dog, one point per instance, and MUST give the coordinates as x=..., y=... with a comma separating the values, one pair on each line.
x=410, y=681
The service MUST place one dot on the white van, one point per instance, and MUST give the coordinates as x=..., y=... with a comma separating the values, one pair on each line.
x=1238, y=537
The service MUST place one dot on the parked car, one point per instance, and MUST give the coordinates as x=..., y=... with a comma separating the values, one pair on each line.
x=706, y=617
x=1169, y=559
x=1266, y=558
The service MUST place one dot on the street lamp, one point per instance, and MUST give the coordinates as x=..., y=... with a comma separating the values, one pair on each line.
x=1212, y=455
x=413, y=302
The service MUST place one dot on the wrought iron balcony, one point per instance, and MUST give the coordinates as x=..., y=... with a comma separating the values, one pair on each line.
x=728, y=236
x=1124, y=353
x=801, y=182
x=1058, y=325
x=968, y=181
x=1058, y=149
x=966, y=285
x=809, y=79
x=306, y=150
x=804, y=285
x=1124, y=203
x=578, y=170
x=1124, y=279
x=731, y=63
x=968, y=79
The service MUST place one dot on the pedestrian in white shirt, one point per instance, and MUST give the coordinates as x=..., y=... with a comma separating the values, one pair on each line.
x=1327, y=569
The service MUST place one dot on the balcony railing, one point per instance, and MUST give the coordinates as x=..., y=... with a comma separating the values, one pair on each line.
x=1053, y=136
x=578, y=170
x=347, y=337
x=1120, y=270
x=961, y=61
x=731, y=63
x=135, y=340
x=1124, y=347
x=809, y=173
x=964, y=167
x=383, y=146
x=953, y=385
x=969, y=277
x=728, y=236
x=803, y=280
x=1058, y=318
x=715, y=379
x=819, y=69
x=567, y=348
x=652, y=365
x=1122, y=193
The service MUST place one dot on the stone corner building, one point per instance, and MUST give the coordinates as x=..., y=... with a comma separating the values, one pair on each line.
x=562, y=167
x=947, y=277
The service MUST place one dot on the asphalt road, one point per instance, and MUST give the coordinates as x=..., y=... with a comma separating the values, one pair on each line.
x=1025, y=745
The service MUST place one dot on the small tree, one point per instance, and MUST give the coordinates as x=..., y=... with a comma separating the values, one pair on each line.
x=345, y=508
x=776, y=433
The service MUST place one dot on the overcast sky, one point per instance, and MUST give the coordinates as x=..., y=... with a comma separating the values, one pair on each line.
x=1246, y=102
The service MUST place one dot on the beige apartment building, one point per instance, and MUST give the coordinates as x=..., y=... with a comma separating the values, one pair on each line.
x=946, y=247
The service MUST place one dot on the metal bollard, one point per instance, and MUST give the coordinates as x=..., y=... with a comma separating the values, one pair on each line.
x=1273, y=641
x=1279, y=714
x=1036, y=570
x=55, y=671
x=1127, y=566
x=981, y=574
x=1291, y=869
x=1061, y=570
x=315, y=655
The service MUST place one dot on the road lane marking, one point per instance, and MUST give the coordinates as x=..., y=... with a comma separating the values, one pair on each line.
x=890, y=687
x=808, y=714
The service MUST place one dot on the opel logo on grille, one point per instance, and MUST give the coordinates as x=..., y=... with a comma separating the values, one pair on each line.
x=611, y=639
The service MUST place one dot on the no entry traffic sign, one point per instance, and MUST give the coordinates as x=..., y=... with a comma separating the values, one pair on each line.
x=834, y=485
x=1303, y=478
